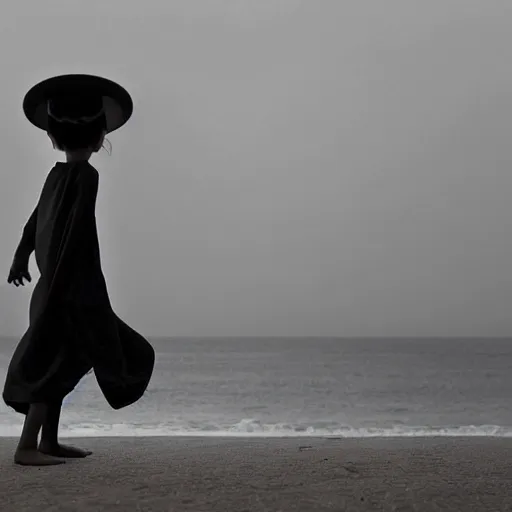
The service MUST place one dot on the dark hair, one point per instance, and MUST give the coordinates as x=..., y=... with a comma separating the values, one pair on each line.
x=71, y=136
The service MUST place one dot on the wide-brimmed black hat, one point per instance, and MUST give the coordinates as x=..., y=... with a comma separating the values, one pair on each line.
x=117, y=103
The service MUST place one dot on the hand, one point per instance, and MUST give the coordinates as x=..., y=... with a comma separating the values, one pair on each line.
x=18, y=272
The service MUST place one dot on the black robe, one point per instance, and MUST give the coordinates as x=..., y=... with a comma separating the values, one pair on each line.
x=73, y=328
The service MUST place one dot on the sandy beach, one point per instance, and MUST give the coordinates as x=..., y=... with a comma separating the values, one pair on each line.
x=247, y=474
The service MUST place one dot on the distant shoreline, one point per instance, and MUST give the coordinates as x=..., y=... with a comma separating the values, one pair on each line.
x=304, y=338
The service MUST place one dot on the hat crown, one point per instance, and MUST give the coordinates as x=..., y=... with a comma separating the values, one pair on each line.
x=75, y=108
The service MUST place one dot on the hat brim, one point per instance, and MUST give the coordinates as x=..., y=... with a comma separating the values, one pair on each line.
x=117, y=102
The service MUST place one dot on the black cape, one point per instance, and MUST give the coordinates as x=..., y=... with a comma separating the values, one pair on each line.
x=73, y=328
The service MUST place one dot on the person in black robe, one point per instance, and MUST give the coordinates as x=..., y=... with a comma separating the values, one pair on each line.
x=73, y=328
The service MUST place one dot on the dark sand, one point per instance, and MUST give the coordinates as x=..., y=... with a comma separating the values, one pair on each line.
x=243, y=474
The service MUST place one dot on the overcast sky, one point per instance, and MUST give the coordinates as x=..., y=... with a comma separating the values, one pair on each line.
x=292, y=168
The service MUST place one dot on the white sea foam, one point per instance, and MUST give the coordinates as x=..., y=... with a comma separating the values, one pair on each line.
x=253, y=428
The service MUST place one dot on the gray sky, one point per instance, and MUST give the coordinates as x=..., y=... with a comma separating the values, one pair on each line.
x=292, y=168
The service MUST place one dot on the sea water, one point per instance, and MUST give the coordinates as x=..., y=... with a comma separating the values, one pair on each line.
x=303, y=387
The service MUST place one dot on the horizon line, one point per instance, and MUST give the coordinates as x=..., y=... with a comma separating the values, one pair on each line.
x=190, y=337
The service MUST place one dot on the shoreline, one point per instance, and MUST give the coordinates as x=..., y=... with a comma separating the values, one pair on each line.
x=257, y=437
x=249, y=474
x=271, y=438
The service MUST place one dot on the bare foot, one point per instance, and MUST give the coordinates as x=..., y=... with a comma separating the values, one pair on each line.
x=61, y=450
x=35, y=458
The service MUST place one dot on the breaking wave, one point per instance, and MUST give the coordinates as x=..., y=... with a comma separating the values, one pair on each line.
x=255, y=428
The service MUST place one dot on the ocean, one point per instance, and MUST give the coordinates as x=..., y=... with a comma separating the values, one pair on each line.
x=303, y=387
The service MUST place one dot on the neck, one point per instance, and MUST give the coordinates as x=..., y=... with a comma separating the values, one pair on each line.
x=78, y=156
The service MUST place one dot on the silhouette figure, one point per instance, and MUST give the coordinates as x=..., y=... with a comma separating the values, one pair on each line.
x=73, y=328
